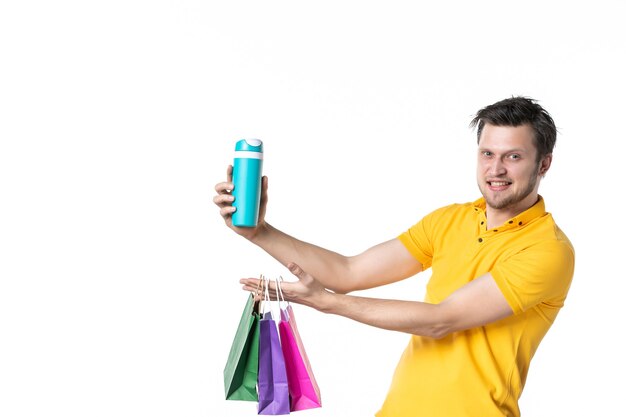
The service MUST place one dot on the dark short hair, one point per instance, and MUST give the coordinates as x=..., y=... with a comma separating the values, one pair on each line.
x=517, y=111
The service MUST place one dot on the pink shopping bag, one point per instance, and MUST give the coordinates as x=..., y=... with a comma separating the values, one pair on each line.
x=303, y=389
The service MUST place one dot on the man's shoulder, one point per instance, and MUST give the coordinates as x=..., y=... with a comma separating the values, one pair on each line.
x=552, y=232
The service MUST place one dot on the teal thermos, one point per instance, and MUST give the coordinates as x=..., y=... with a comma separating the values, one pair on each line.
x=247, y=173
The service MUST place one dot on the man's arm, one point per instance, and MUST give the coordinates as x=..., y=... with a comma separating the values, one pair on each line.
x=476, y=304
x=382, y=264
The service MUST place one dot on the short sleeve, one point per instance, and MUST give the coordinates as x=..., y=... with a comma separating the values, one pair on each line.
x=541, y=273
x=418, y=240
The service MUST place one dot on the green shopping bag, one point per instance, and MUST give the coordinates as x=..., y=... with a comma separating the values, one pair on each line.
x=242, y=367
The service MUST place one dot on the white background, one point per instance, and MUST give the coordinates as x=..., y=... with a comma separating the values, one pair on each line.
x=119, y=291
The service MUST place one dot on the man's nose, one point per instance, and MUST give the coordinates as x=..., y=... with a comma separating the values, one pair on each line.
x=497, y=168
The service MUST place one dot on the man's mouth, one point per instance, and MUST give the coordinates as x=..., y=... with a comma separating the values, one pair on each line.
x=498, y=183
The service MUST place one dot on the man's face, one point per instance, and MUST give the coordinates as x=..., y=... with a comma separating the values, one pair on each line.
x=507, y=171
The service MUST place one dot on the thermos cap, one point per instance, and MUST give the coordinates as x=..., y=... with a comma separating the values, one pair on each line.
x=250, y=145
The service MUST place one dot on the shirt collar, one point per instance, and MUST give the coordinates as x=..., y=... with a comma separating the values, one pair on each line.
x=535, y=211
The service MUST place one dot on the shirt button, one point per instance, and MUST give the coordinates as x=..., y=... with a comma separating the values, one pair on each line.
x=480, y=239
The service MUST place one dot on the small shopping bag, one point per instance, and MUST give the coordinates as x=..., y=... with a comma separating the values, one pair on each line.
x=303, y=388
x=273, y=384
x=241, y=370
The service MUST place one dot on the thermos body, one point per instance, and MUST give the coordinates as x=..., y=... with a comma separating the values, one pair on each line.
x=247, y=174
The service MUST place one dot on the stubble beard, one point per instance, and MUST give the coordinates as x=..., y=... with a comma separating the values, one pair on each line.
x=512, y=199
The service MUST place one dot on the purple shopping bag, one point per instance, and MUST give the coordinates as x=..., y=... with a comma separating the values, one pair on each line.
x=273, y=385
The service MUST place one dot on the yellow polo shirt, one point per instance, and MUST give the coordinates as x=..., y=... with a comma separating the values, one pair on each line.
x=481, y=372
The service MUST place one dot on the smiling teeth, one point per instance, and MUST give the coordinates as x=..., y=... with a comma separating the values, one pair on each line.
x=498, y=183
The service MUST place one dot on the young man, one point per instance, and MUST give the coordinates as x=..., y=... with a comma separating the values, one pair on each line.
x=501, y=270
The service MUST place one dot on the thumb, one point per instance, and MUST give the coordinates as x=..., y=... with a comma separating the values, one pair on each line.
x=296, y=270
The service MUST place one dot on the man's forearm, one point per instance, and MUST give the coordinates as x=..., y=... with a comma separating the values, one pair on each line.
x=327, y=266
x=475, y=304
x=412, y=317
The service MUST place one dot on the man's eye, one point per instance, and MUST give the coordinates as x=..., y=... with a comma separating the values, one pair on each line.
x=487, y=153
x=514, y=156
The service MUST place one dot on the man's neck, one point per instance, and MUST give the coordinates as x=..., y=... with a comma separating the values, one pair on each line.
x=497, y=217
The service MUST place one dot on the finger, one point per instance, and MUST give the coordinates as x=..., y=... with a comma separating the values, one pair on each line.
x=229, y=173
x=264, y=186
x=224, y=187
x=227, y=211
x=271, y=285
x=258, y=286
x=250, y=284
x=296, y=270
x=223, y=199
x=252, y=289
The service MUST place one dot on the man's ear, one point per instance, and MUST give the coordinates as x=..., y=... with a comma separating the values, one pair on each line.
x=544, y=166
